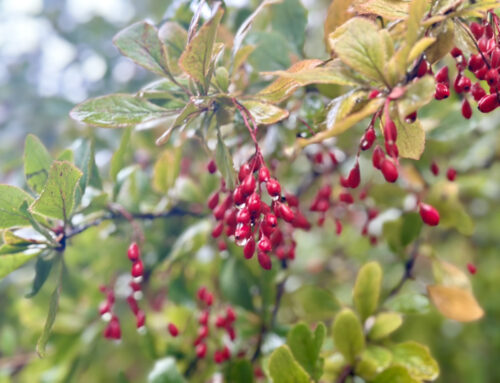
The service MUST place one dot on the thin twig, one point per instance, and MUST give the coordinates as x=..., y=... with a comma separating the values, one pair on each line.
x=408, y=269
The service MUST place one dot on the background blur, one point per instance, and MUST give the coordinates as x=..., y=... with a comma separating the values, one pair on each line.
x=55, y=53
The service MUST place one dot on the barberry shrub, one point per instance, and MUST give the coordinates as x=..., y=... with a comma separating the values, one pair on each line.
x=264, y=179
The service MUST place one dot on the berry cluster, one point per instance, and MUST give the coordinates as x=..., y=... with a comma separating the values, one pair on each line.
x=254, y=223
x=225, y=322
x=484, y=65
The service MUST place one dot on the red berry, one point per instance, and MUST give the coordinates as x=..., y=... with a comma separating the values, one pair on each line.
x=495, y=58
x=248, y=185
x=462, y=84
x=245, y=170
x=249, y=249
x=231, y=333
x=476, y=62
x=451, y=174
x=218, y=357
x=354, y=177
x=133, y=252
x=217, y=231
x=212, y=168
x=201, y=350
x=346, y=197
x=442, y=75
x=434, y=168
x=271, y=220
x=137, y=269
x=243, y=216
x=390, y=131
x=209, y=299
x=264, y=260
x=264, y=174
x=481, y=73
x=488, y=30
x=140, y=318
x=411, y=117
x=221, y=245
x=422, y=68
x=389, y=170
x=230, y=315
x=213, y=200
x=472, y=269
x=254, y=204
x=243, y=232
x=226, y=354
x=202, y=292
x=173, y=330
x=477, y=91
x=238, y=197
x=455, y=52
x=368, y=139
x=203, y=320
x=429, y=214
x=133, y=304
x=220, y=322
x=377, y=157
x=374, y=93
x=391, y=149
x=466, y=109
x=338, y=227
x=104, y=308
x=488, y=103
x=264, y=245
x=285, y=212
x=477, y=30
x=442, y=91
x=273, y=187
x=491, y=77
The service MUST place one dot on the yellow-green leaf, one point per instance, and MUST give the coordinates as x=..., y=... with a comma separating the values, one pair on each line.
x=416, y=12
x=118, y=159
x=196, y=59
x=367, y=289
x=419, y=47
x=11, y=199
x=385, y=324
x=395, y=374
x=388, y=9
x=174, y=37
x=445, y=35
x=284, y=369
x=58, y=196
x=411, y=137
x=373, y=361
x=418, y=93
x=189, y=112
x=37, y=161
x=348, y=335
x=264, y=113
x=455, y=303
x=338, y=13
x=140, y=42
x=14, y=257
x=359, y=44
x=417, y=359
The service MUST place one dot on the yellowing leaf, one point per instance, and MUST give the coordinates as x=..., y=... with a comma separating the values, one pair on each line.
x=388, y=9
x=419, y=47
x=359, y=44
x=338, y=13
x=264, y=113
x=463, y=39
x=417, y=359
x=455, y=303
x=416, y=11
x=196, y=59
x=394, y=374
x=445, y=36
x=411, y=138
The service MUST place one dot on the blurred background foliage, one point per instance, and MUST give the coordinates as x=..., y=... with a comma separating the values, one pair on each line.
x=55, y=53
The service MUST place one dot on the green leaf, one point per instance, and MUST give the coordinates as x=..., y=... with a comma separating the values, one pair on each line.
x=411, y=137
x=367, y=289
x=166, y=169
x=196, y=60
x=12, y=258
x=165, y=371
x=271, y=52
x=224, y=162
x=372, y=361
x=140, y=42
x=118, y=159
x=37, y=161
x=418, y=94
x=65, y=155
x=451, y=211
x=85, y=161
x=235, y=283
x=239, y=371
x=191, y=240
x=118, y=111
x=11, y=198
x=338, y=13
x=385, y=324
x=416, y=12
x=348, y=335
x=395, y=374
x=417, y=359
x=58, y=197
x=264, y=113
x=306, y=347
x=289, y=18
x=410, y=230
x=314, y=303
x=42, y=271
x=445, y=35
x=442, y=7
x=409, y=303
x=188, y=113
x=359, y=44
x=174, y=37
x=284, y=369
x=51, y=316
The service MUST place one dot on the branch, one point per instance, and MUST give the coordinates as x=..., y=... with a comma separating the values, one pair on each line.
x=345, y=373
x=408, y=269
x=119, y=216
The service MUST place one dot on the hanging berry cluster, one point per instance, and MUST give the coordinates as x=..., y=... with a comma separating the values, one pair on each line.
x=113, y=330
x=484, y=65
